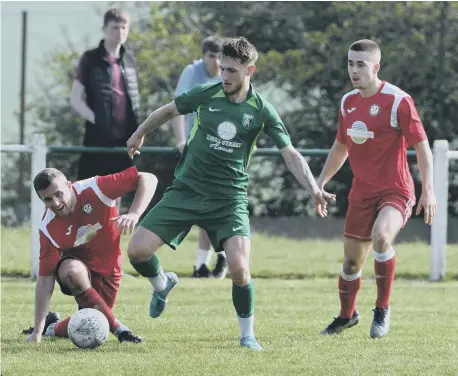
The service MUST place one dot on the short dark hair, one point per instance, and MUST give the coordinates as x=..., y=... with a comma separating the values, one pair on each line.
x=44, y=178
x=366, y=45
x=116, y=15
x=212, y=43
x=240, y=48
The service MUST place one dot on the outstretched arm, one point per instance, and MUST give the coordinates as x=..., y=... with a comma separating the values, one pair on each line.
x=301, y=171
x=158, y=117
x=299, y=168
x=146, y=187
x=335, y=160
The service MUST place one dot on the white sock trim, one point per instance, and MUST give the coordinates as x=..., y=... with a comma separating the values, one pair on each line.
x=384, y=256
x=246, y=326
x=204, y=256
x=122, y=328
x=50, y=330
x=350, y=277
x=159, y=282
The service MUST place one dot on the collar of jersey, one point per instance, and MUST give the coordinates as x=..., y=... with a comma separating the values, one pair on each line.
x=248, y=96
x=372, y=96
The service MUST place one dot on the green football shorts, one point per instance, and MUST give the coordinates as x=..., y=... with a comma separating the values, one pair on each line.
x=180, y=208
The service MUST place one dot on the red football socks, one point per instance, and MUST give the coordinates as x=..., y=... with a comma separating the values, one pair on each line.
x=61, y=328
x=349, y=286
x=91, y=299
x=384, y=266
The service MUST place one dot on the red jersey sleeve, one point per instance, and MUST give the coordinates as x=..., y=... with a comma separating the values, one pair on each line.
x=341, y=131
x=410, y=123
x=49, y=257
x=119, y=184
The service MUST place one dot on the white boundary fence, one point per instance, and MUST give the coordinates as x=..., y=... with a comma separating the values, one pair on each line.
x=442, y=155
x=38, y=150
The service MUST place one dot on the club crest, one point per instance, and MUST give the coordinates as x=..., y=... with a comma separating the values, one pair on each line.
x=374, y=110
x=87, y=208
x=247, y=120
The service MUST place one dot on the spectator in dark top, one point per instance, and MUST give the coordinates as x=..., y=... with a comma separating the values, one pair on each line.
x=105, y=93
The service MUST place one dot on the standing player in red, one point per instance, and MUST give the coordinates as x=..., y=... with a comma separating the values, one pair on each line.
x=377, y=122
x=79, y=237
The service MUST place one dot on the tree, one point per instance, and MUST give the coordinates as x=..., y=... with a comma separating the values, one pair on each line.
x=301, y=69
x=313, y=68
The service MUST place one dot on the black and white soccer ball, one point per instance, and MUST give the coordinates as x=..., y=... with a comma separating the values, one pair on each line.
x=88, y=328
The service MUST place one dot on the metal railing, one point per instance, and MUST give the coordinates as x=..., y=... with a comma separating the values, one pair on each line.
x=442, y=154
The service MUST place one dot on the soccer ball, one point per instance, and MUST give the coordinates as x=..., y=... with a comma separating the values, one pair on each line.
x=88, y=328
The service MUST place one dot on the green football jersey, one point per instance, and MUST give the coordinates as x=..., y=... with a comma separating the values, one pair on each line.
x=222, y=139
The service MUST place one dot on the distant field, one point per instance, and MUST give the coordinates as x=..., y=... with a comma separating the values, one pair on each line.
x=271, y=257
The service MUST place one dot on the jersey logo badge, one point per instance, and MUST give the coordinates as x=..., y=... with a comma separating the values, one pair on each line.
x=350, y=110
x=87, y=208
x=226, y=130
x=214, y=109
x=86, y=233
x=69, y=230
x=374, y=110
x=359, y=133
x=247, y=121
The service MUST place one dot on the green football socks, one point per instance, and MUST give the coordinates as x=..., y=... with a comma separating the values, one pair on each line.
x=149, y=268
x=243, y=299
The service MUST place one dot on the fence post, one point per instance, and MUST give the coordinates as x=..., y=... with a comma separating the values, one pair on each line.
x=440, y=222
x=38, y=156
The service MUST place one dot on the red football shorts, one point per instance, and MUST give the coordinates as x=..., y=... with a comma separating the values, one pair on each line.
x=361, y=214
x=106, y=286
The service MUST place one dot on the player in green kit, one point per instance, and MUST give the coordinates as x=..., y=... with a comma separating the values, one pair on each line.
x=210, y=186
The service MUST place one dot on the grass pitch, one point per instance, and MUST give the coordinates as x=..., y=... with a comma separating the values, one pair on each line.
x=296, y=297
x=197, y=334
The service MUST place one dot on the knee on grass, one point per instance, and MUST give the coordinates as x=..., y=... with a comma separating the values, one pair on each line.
x=74, y=275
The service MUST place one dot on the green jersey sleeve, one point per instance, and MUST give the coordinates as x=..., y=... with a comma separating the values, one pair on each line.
x=190, y=101
x=274, y=128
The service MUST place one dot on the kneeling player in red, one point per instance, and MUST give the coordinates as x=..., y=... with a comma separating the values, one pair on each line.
x=377, y=122
x=79, y=243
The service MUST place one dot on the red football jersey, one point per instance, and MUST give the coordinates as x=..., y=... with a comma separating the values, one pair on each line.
x=377, y=132
x=88, y=233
